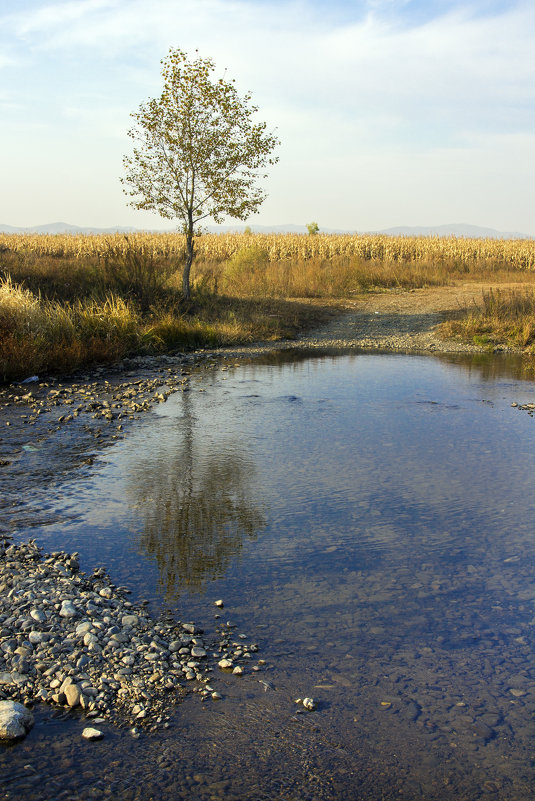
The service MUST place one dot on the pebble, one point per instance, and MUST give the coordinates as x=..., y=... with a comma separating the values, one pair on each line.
x=73, y=640
x=92, y=734
x=15, y=720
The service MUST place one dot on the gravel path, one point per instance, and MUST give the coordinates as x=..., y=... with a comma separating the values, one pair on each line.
x=399, y=321
x=394, y=320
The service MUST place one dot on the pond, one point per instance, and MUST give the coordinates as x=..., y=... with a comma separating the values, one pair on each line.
x=369, y=520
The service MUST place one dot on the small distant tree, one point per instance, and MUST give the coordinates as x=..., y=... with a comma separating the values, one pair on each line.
x=313, y=228
x=197, y=150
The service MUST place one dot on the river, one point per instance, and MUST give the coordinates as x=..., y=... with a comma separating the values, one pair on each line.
x=369, y=521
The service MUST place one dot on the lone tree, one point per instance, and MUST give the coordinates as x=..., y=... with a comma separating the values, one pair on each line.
x=197, y=150
x=313, y=228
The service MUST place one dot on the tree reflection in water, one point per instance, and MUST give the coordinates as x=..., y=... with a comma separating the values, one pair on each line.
x=195, y=506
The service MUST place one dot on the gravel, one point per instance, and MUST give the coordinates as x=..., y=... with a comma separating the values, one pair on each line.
x=76, y=641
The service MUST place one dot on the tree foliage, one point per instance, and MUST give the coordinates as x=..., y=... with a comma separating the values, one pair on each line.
x=313, y=228
x=198, y=151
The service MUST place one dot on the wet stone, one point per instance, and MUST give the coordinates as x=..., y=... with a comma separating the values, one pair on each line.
x=103, y=654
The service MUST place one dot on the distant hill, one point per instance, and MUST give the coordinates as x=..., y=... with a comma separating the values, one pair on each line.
x=66, y=228
x=63, y=228
x=459, y=229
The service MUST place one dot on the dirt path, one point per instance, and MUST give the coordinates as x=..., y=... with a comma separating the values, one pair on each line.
x=400, y=321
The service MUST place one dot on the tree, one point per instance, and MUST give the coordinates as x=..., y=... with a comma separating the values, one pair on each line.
x=313, y=228
x=197, y=150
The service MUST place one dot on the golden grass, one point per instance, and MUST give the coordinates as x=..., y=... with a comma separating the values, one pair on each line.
x=68, y=300
x=457, y=252
x=503, y=318
x=38, y=335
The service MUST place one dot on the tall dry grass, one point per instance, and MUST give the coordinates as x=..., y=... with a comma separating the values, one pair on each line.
x=40, y=336
x=70, y=300
x=457, y=252
x=503, y=318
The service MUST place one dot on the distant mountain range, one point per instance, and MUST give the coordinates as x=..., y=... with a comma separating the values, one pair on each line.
x=459, y=229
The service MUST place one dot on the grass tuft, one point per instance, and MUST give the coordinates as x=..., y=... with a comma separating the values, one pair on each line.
x=503, y=319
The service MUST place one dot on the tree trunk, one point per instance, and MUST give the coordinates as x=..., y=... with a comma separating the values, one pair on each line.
x=189, y=260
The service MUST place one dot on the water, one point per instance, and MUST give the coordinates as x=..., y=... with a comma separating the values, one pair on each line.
x=368, y=519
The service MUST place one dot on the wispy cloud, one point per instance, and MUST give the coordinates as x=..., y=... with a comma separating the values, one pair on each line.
x=373, y=82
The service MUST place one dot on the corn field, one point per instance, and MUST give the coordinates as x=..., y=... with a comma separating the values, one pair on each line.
x=456, y=251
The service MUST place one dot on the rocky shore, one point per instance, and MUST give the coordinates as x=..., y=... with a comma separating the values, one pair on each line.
x=76, y=641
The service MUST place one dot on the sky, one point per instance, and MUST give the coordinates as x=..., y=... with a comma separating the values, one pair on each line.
x=389, y=112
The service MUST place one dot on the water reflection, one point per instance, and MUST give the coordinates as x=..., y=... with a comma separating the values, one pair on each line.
x=394, y=580
x=195, y=508
x=487, y=366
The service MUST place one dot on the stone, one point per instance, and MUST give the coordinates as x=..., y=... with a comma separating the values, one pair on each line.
x=130, y=620
x=90, y=733
x=15, y=720
x=83, y=627
x=67, y=609
x=72, y=694
x=309, y=703
x=225, y=664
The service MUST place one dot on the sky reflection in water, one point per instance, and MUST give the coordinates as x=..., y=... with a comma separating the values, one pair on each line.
x=371, y=519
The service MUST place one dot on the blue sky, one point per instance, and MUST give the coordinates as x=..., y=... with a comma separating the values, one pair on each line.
x=390, y=112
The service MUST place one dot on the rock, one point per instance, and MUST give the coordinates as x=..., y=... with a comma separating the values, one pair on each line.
x=72, y=694
x=67, y=609
x=15, y=720
x=309, y=703
x=225, y=664
x=197, y=651
x=220, y=604
x=92, y=734
x=130, y=620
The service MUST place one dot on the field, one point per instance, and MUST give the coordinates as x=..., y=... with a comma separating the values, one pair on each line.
x=66, y=301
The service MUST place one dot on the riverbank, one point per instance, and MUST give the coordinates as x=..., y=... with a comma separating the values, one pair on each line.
x=74, y=641
x=63, y=309
x=52, y=429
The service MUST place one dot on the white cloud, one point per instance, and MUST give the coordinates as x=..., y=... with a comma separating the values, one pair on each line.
x=370, y=108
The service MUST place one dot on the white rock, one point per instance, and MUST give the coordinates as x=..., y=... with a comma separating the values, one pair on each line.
x=309, y=703
x=67, y=609
x=92, y=734
x=225, y=664
x=220, y=604
x=15, y=720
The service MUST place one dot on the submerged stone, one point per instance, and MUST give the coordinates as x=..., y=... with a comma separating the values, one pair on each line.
x=15, y=720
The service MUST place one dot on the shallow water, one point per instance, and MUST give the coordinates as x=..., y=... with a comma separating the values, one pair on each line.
x=368, y=520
